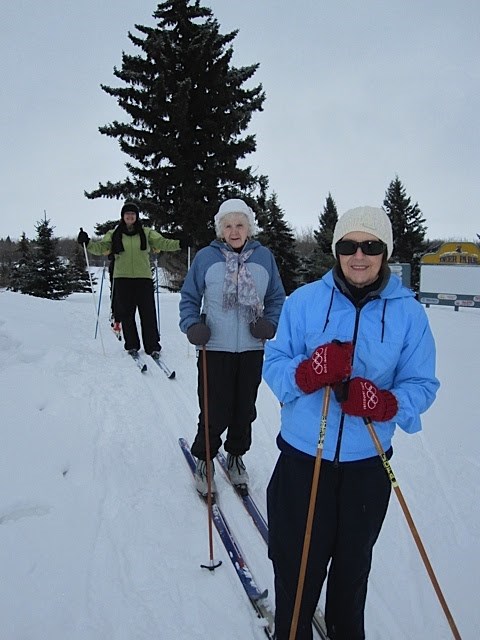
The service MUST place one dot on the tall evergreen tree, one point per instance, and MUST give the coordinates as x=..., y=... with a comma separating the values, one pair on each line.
x=188, y=109
x=321, y=258
x=277, y=235
x=408, y=228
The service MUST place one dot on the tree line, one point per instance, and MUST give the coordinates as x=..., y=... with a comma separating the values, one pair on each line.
x=186, y=134
x=55, y=267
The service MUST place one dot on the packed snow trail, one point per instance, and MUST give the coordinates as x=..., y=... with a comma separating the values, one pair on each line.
x=98, y=516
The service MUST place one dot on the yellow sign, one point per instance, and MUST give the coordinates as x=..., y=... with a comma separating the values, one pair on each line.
x=454, y=253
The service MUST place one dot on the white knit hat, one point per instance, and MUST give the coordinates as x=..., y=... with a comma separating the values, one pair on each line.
x=367, y=219
x=235, y=205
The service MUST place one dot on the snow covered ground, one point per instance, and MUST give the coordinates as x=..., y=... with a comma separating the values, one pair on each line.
x=102, y=535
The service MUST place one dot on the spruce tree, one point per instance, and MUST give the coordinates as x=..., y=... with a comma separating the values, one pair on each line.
x=305, y=243
x=43, y=274
x=77, y=272
x=101, y=228
x=277, y=235
x=21, y=270
x=408, y=228
x=7, y=256
x=321, y=259
x=187, y=109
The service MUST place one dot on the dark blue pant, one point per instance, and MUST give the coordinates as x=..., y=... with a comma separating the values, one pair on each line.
x=350, y=508
x=131, y=294
x=233, y=381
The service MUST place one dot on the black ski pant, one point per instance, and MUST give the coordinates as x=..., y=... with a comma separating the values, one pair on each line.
x=131, y=294
x=351, y=504
x=233, y=381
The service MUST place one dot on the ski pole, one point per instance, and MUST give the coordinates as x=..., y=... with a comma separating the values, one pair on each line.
x=100, y=299
x=311, y=513
x=93, y=292
x=158, y=296
x=413, y=529
x=112, y=304
x=212, y=564
x=188, y=269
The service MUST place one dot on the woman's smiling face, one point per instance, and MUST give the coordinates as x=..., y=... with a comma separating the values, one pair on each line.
x=359, y=269
x=235, y=229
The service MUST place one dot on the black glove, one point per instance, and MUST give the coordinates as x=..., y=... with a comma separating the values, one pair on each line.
x=198, y=334
x=262, y=329
x=83, y=237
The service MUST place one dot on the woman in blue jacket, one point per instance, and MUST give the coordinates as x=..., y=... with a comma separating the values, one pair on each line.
x=230, y=303
x=360, y=330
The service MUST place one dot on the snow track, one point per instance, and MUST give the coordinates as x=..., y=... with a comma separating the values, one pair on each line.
x=102, y=536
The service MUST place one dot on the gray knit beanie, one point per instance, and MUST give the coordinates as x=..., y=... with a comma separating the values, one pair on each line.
x=367, y=219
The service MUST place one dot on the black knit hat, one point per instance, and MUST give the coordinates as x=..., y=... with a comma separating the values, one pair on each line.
x=130, y=207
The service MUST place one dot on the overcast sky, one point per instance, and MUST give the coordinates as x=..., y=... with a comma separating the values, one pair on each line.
x=356, y=93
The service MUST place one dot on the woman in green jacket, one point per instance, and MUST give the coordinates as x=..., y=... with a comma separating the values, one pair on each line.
x=131, y=244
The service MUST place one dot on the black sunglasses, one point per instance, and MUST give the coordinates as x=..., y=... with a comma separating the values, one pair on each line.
x=368, y=247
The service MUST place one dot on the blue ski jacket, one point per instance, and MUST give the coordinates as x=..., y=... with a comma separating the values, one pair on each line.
x=202, y=293
x=393, y=347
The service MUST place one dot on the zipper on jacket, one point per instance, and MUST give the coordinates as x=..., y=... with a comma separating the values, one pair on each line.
x=336, y=459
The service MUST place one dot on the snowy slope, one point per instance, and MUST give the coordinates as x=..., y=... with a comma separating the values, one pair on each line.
x=102, y=535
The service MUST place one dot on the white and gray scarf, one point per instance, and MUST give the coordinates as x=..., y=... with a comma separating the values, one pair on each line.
x=239, y=288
